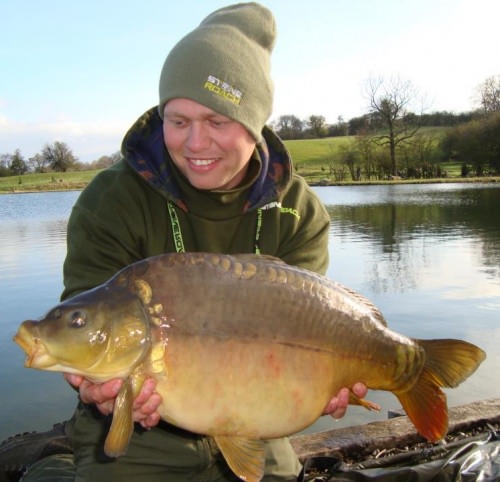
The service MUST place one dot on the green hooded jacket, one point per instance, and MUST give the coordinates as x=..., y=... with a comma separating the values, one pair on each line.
x=143, y=206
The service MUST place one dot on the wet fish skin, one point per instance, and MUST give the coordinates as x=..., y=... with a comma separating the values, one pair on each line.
x=234, y=331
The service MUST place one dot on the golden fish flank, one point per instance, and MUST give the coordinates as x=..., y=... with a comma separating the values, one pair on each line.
x=246, y=328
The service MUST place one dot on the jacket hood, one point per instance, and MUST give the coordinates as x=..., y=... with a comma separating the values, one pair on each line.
x=143, y=149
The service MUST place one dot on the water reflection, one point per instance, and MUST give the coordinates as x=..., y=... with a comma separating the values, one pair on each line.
x=36, y=206
x=33, y=246
x=409, y=228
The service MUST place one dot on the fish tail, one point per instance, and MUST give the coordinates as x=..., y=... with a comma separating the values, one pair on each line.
x=448, y=363
x=425, y=405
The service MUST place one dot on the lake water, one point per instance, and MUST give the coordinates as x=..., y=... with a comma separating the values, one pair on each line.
x=427, y=255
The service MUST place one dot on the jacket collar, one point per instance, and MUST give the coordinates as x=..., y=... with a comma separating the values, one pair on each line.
x=144, y=150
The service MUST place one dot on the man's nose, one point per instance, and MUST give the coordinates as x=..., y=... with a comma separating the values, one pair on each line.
x=198, y=137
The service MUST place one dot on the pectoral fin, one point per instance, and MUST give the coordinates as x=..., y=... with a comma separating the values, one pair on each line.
x=122, y=425
x=245, y=457
x=368, y=404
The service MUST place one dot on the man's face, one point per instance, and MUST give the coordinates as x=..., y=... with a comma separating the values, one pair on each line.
x=211, y=150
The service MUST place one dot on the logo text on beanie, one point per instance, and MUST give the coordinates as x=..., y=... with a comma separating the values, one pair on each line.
x=223, y=89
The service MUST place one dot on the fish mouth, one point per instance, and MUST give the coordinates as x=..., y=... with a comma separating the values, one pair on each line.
x=37, y=354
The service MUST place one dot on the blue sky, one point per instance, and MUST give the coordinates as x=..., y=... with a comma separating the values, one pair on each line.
x=82, y=71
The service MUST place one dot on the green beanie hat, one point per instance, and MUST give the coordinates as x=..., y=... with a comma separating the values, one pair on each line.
x=224, y=64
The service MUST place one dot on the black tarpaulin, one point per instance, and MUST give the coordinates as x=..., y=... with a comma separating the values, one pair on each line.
x=468, y=460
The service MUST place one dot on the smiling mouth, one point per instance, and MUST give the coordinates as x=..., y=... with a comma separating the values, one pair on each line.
x=202, y=164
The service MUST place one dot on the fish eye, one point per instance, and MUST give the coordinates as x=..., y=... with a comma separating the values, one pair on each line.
x=78, y=319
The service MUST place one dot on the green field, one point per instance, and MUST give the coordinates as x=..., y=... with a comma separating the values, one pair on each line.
x=48, y=181
x=313, y=158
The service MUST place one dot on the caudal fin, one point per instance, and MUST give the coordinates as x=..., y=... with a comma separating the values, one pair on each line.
x=448, y=363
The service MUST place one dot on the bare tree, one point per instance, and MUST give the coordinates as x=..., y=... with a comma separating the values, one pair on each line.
x=317, y=125
x=389, y=103
x=349, y=156
x=366, y=149
x=106, y=161
x=17, y=163
x=38, y=163
x=488, y=94
x=59, y=156
x=289, y=127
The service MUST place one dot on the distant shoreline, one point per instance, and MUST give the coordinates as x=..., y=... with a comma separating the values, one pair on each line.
x=78, y=186
x=34, y=190
x=445, y=180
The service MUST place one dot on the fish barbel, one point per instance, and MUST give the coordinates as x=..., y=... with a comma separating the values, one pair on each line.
x=264, y=344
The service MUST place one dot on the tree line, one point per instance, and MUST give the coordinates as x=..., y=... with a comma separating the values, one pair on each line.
x=290, y=127
x=55, y=157
x=386, y=141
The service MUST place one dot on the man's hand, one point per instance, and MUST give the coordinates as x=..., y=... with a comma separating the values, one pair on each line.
x=337, y=406
x=103, y=396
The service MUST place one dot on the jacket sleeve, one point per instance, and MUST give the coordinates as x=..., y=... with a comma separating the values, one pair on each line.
x=104, y=235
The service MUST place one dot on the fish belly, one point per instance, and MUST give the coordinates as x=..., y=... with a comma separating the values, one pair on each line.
x=244, y=388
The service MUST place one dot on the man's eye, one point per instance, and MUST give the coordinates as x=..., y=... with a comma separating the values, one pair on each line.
x=78, y=319
x=219, y=123
x=177, y=122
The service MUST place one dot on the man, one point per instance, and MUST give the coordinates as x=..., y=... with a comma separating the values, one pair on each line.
x=200, y=172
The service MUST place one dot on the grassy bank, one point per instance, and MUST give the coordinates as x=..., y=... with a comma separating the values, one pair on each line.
x=48, y=181
x=71, y=181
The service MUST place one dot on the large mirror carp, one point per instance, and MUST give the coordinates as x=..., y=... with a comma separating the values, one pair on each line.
x=265, y=345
